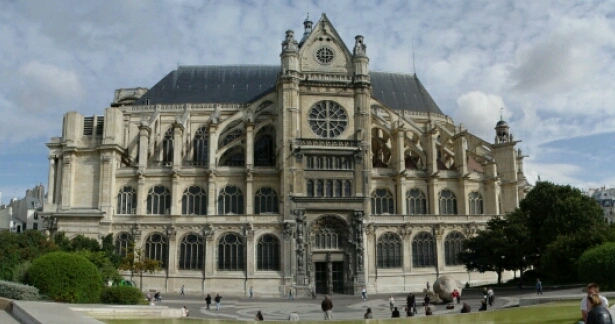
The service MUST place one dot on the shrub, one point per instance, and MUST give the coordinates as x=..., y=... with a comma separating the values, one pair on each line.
x=65, y=277
x=13, y=290
x=19, y=272
x=598, y=265
x=121, y=295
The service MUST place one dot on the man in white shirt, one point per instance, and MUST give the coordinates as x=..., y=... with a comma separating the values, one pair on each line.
x=592, y=288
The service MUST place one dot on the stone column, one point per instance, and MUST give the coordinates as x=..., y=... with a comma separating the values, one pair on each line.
x=286, y=250
x=68, y=175
x=440, y=257
x=107, y=185
x=250, y=248
x=249, y=192
x=212, y=146
x=210, y=257
x=51, y=179
x=463, y=207
x=141, y=196
x=329, y=274
x=144, y=132
x=406, y=233
x=172, y=261
x=178, y=144
x=176, y=194
x=212, y=194
x=300, y=250
x=249, y=145
x=400, y=194
x=359, y=269
x=372, y=273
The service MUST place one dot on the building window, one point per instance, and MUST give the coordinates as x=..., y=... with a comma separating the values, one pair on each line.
x=327, y=119
x=452, y=247
x=268, y=253
x=476, y=203
x=167, y=147
x=199, y=147
x=191, y=253
x=127, y=201
x=157, y=248
x=347, y=188
x=123, y=244
x=382, y=202
x=337, y=188
x=34, y=226
x=35, y=216
x=319, y=188
x=389, y=251
x=423, y=250
x=417, y=204
x=194, y=201
x=265, y=201
x=158, y=200
x=310, y=188
x=264, y=147
x=231, y=137
x=327, y=237
x=230, y=252
x=328, y=188
x=230, y=201
x=233, y=157
x=448, y=202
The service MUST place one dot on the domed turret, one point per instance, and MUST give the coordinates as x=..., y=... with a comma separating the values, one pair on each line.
x=307, y=24
x=501, y=132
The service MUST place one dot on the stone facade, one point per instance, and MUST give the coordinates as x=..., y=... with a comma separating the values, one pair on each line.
x=319, y=181
x=606, y=198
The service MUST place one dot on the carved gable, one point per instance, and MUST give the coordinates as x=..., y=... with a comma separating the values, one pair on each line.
x=324, y=50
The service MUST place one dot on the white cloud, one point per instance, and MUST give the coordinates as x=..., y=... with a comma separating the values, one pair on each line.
x=479, y=112
x=51, y=80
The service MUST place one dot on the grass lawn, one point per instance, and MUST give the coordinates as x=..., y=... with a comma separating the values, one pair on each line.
x=553, y=313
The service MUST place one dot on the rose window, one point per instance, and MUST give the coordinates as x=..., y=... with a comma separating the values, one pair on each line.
x=328, y=119
x=324, y=55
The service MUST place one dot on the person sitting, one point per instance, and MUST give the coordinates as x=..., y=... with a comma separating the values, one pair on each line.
x=483, y=306
x=428, y=312
x=465, y=308
x=395, y=313
x=258, y=316
x=185, y=312
x=158, y=297
x=368, y=314
x=598, y=314
x=294, y=317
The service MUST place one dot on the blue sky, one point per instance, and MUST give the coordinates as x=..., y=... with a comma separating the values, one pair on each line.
x=549, y=64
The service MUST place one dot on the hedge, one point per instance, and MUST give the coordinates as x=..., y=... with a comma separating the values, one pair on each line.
x=598, y=265
x=121, y=295
x=65, y=277
x=14, y=290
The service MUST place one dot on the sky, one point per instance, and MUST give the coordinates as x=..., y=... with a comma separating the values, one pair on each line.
x=546, y=67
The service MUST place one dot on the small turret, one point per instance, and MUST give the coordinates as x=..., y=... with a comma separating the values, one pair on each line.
x=502, y=132
x=307, y=25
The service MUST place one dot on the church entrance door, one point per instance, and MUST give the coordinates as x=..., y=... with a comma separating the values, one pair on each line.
x=326, y=278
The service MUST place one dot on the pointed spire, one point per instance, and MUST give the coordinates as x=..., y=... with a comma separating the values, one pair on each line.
x=307, y=24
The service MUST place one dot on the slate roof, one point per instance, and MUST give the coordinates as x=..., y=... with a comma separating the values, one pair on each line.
x=247, y=83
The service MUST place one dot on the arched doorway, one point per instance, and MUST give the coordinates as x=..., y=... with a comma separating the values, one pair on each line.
x=329, y=257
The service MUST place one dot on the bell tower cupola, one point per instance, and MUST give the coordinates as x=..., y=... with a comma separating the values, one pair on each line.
x=502, y=134
x=307, y=25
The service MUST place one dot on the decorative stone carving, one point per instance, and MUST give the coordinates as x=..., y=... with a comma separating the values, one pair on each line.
x=360, y=49
x=444, y=286
x=171, y=231
x=290, y=44
x=208, y=232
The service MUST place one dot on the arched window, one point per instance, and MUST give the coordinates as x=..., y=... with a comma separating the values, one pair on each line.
x=233, y=157
x=476, y=203
x=123, y=244
x=231, y=137
x=310, y=188
x=127, y=201
x=230, y=201
x=230, y=252
x=268, y=253
x=191, y=253
x=448, y=202
x=329, y=188
x=265, y=201
x=452, y=247
x=327, y=237
x=319, y=188
x=347, y=188
x=158, y=200
x=157, y=248
x=167, y=147
x=337, y=188
x=194, y=201
x=264, y=147
x=417, y=204
x=389, y=251
x=382, y=202
x=199, y=146
x=423, y=250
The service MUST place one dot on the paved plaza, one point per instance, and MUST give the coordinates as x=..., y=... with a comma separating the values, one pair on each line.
x=346, y=307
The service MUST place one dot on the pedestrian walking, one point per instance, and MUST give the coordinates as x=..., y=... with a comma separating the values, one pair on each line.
x=158, y=297
x=181, y=292
x=290, y=294
x=456, y=296
x=426, y=301
x=208, y=301
x=251, y=293
x=490, y=296
x=391, y=302
x=364, y=293
x=538, y=287
x=258, y=316
x=313, y=293
x=485, y=295
x=327, y=308
x=217, y=300
x=428, y=286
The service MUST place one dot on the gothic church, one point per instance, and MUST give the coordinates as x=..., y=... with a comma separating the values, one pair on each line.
x=313, y=174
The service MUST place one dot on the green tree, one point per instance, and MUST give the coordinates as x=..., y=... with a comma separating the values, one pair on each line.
x=137, y=263
x=598, y=265
x=16, y=249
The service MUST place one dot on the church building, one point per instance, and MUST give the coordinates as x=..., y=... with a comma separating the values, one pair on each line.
x=313, y=174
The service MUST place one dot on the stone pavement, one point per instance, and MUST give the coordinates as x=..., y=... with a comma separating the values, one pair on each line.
x=6, y=318
x=346, y=307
